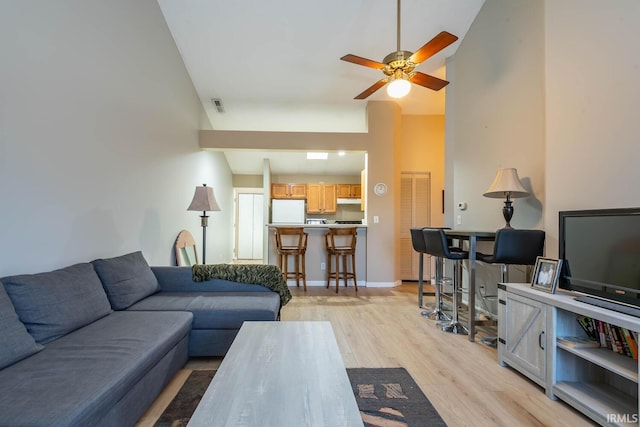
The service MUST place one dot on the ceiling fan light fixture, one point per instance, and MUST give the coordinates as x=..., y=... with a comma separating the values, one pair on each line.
x=398, y=88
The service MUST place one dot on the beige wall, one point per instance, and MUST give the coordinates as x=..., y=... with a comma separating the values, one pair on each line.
x=422, y=150
x=495, y=114
x=551, y=88
x=326, y=179
x=99, y=151
x=247, y=181
x=592, y=104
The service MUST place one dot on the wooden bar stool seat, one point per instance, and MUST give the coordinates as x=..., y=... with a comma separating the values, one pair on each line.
x=341, y=244
x=292, y=241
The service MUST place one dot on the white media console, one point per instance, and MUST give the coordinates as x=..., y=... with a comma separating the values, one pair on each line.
x=598, y=382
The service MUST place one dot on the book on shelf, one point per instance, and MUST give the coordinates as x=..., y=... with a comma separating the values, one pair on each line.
x=577, y=342
x=587, y=324
x=616, y=338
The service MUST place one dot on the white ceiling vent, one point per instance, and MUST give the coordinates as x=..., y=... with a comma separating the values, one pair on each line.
x=217, y=102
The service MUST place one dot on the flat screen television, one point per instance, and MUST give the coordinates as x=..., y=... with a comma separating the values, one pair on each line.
x=600, y=250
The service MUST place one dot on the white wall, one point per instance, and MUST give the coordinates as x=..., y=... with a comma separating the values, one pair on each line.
x=495, y=115
x=592, y=109
x=99, y=125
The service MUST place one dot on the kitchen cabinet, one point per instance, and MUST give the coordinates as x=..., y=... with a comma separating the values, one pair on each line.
x=288, y=191
x=321, y=198
x=349, y=191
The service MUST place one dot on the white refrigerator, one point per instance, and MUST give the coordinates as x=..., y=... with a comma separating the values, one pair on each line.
x=288, y=211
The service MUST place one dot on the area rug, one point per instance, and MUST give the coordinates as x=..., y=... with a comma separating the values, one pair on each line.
x=179, y=411
x=387, y=397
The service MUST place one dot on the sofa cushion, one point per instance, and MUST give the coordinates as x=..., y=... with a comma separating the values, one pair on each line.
x=55, y=303
x=126, y=279
x=77, y=379
x=216, y=310
x=15, y=341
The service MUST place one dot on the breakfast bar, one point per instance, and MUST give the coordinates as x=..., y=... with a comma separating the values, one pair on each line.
x=316, y=255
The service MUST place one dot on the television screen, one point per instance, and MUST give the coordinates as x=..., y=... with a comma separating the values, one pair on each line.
x=601, y=253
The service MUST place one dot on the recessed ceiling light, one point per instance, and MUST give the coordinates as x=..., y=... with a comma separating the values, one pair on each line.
x=317, y=156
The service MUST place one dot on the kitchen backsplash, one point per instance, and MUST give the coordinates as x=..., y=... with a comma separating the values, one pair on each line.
x=343, y=213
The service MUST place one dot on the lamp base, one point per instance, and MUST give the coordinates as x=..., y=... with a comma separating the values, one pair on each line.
x=507, y=213
x=204, y=222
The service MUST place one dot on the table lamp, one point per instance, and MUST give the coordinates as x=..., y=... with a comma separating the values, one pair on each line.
x=205, y=201
x=506, y=184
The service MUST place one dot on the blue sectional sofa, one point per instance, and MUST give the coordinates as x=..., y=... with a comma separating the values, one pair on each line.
x=93, y=344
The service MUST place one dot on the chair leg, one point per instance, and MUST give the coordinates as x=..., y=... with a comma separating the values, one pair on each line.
x=296, y=260
x=328, y=270
x=304, y=272
x=353, y=269
x=438, y=313
x=492, y=341
x=420, y=281
x=337, y=273
x=285, y=269
x=455, y=326
x=345, y=273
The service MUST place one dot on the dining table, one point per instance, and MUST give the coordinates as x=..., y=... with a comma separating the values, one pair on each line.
x=472, y=237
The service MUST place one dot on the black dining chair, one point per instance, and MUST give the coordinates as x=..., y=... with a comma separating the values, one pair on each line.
x=512, y=247
x=417, y=241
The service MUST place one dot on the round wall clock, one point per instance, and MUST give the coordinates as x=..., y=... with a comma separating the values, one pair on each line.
x=380, y=189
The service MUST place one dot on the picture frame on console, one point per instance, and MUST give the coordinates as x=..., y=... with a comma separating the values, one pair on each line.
x=545, y=274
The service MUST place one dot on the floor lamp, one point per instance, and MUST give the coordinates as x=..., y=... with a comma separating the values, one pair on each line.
x=205, y=201
x=506, y=184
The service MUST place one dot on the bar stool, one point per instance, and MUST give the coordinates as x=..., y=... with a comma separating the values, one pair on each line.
x=292, y=241
x=341, y=243
x=437, y=245
x=417, y=241
x=512, y=247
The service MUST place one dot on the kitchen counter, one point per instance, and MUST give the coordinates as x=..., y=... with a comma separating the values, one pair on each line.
x=316, y=256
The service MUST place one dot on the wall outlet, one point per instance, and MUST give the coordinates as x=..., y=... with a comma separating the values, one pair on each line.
x=323, y=266
x=458, y=219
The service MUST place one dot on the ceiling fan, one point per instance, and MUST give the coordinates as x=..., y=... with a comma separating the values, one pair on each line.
x=399, y=66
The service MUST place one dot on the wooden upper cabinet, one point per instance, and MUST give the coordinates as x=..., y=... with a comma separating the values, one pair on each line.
x=288, y=191
x=330, y=202
x=321, y=198
x=349, y=191
x=298, y=191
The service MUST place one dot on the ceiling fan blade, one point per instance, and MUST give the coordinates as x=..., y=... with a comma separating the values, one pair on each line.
x=363, y=61
x=428, y=81
x=377, y=85
x=432, y=47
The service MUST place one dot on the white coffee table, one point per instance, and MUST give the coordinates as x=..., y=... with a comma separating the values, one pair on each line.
x=280, y=374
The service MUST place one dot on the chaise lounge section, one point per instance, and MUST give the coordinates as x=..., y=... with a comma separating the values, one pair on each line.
x=95, y=343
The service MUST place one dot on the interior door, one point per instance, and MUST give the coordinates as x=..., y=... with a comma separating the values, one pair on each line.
x=249, y=226
x=415, y=208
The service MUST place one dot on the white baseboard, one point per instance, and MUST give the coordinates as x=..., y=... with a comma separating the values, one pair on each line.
x=384, y=284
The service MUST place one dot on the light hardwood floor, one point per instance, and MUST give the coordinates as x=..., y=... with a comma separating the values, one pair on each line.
x=382, y=327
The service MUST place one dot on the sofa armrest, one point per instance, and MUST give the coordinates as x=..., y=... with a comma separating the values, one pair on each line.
x=179, y=279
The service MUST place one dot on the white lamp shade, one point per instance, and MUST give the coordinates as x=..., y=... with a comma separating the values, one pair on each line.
x=506, y=183
x=204, y=200
x=398, y=88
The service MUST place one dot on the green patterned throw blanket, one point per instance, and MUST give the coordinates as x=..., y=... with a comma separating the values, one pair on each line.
x=268, y=276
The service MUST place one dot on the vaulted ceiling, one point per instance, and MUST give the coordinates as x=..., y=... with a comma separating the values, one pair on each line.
x=275, y=64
